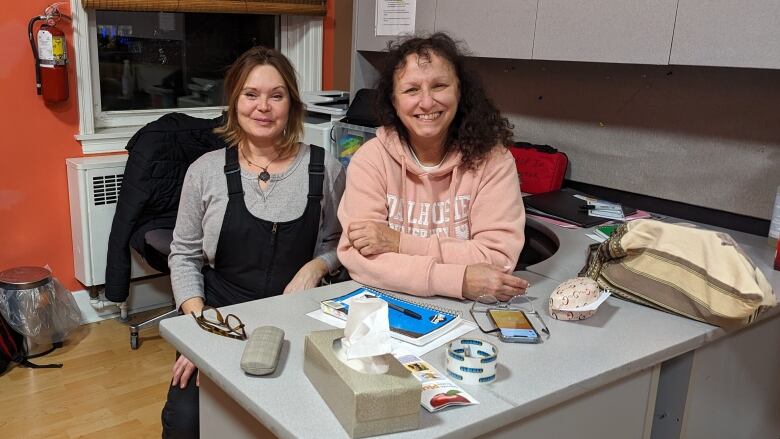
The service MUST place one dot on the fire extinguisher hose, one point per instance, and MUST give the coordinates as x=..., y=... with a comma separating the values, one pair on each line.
x=35, y=51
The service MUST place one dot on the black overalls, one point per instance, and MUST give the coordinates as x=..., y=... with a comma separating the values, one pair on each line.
x=255, y=259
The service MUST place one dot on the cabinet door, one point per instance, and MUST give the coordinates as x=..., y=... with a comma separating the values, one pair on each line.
x=727, y=33
x=365, y=25
x=613, y=31
x=493, y=29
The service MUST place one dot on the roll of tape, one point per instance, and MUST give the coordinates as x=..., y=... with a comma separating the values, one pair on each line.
x=472, y=361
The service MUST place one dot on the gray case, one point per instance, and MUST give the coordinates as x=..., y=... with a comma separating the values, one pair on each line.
x=262, y=350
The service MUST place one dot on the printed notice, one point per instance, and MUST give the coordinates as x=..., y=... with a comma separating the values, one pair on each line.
x=395, y=17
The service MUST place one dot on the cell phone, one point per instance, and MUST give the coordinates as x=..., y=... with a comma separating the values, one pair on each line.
x=514, y=326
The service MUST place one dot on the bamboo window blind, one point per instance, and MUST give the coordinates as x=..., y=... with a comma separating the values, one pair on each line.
x=274, y=7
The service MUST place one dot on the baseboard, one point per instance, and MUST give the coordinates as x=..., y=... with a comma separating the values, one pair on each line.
x=145, y=294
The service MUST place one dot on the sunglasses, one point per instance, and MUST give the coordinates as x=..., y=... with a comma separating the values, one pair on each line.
x=211, y=320
x=483, y=304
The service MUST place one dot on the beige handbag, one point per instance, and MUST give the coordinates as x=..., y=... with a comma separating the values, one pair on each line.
x=696, y=273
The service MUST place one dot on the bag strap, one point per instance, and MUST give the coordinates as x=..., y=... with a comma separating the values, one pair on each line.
x=25, y=363
x=23, y=358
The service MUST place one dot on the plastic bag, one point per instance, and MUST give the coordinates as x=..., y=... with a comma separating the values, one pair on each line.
x=46, y=313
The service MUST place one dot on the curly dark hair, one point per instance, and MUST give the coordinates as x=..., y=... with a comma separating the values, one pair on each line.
x=477, y=126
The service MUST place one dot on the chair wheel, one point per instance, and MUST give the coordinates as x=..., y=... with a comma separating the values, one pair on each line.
x=134, y=341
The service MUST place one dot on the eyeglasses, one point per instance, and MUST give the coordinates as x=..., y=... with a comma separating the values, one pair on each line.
x=211, y=320
x=483, y=304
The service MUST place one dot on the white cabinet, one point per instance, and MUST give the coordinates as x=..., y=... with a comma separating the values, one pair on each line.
x=612, y=31
x=727, y=33
x=493, y=29
x=365, y=13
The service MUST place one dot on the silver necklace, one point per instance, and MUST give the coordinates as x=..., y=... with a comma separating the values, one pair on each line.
x=264, y=176
x=426, y=167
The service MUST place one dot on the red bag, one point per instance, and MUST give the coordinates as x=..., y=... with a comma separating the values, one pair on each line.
x=540, y=167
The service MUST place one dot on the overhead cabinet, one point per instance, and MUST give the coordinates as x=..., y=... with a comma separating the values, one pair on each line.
x=727, y=33
x=491, y=29
x=612, y=31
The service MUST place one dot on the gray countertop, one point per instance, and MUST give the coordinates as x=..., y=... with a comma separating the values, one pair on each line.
x=620, y=340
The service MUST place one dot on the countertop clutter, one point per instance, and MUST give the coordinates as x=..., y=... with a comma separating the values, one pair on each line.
x=626, y=371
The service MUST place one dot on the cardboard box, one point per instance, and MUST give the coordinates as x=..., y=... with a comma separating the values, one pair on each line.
x=364, y=404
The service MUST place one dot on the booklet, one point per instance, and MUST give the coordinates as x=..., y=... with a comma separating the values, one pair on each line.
x=413, y=322
x=438, y=391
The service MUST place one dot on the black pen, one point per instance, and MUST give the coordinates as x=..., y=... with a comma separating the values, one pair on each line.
x=405, y=311
x=587, y=207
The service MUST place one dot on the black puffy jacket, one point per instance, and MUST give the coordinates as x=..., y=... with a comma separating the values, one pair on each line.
x=159, y=155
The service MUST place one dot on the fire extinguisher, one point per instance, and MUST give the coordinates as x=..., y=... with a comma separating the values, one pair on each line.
x=51, y=57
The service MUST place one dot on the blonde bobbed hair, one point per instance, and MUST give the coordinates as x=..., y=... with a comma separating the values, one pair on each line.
x=235, y=79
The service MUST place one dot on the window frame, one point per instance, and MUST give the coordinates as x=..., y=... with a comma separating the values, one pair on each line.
x=299, y=38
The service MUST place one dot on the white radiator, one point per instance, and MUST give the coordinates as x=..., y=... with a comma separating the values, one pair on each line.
x=93, y=188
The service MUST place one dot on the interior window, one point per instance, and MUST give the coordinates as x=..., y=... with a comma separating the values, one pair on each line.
x=159, y=60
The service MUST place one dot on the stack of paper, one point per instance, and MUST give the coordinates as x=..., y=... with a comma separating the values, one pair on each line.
x=603, y=209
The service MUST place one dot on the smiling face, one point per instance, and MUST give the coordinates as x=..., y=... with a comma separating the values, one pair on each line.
x=425, y=96
x=263, y=106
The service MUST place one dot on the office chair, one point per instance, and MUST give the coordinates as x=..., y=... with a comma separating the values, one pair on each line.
x=540, y=244
x=158, y=157
x=157, y=243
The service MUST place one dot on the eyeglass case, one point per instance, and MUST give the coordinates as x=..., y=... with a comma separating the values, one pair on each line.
x=262, y=350
x=573, y=293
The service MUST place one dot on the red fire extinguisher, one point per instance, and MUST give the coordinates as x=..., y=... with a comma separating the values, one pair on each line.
x=51, y=57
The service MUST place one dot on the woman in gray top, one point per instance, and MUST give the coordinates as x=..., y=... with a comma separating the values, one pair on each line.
x=256, y=219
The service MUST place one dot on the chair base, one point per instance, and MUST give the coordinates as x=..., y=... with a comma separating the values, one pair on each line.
x=134, y=328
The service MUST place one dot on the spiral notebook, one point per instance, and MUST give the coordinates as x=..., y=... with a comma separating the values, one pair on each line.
x=413, y=322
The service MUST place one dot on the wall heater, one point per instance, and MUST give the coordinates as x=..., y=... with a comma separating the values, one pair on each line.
x=93, y=187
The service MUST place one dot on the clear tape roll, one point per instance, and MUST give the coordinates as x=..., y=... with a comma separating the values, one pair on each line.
x=471, y=361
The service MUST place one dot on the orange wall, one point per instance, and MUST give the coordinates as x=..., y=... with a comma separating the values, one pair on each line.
x=328, y=45
x=36, y=139
x=337, y=45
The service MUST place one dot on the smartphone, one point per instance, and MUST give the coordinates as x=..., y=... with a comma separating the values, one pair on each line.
x=514, y=326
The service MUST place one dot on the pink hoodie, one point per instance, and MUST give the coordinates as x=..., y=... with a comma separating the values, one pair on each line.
x=449, y=218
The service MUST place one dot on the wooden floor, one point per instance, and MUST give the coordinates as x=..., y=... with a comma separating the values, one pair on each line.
x=104, y=390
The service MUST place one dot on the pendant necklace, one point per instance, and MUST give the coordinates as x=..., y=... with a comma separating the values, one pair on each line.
x=264, y=176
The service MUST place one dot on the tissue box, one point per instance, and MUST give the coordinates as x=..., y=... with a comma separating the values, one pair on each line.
x=364, y=404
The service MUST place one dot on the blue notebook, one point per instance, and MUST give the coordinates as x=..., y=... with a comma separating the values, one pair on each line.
x=413, y=322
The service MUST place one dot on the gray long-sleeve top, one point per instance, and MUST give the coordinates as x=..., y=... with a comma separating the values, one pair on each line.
x=204, y=199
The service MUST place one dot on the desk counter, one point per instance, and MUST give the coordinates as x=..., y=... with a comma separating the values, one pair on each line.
x=607, y=376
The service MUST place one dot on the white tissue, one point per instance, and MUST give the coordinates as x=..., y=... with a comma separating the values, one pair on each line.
x=366, y=336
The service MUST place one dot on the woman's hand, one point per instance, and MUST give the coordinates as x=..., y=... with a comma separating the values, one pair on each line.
x=309, y=276
x=371, y=238
x=491, y=280
x=182, y=371
x=183, y=367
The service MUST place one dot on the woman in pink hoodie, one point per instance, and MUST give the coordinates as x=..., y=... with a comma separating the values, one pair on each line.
x=432, y=205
